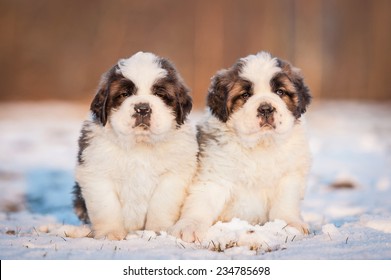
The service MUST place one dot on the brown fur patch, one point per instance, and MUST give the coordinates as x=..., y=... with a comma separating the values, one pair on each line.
x=297, y=95
x=236, y=98
x=109, y=87
x=226, y=90
x=174, y=86
x=79, y=204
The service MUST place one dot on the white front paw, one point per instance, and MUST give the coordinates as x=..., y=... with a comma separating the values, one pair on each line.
x=189, y=230
x=118, y=234
x=300, y=225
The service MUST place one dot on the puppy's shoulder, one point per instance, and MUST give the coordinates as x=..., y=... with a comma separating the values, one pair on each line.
x=96, y=144
x=296, y=147
x=299, y=135
x=211, y=131
x=89, y=132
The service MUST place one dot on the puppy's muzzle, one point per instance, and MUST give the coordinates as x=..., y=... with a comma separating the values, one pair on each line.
x=142, y=115
x=266, y=113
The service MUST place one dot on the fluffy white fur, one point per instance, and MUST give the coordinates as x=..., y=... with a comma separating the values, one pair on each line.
x=134, y=178
x=246, y=171
x=143, y=69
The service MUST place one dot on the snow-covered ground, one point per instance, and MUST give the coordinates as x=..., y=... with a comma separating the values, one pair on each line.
x=348, y=200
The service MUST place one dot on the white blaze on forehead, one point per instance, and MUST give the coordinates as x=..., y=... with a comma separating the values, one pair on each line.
x=143, y=69
x=259, y=69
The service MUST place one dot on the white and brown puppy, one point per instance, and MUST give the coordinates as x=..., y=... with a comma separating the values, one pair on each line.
x=254, y=156
x=137, y=154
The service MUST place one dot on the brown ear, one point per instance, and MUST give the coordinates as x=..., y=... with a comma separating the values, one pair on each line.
x=99, y=104
x=303, y=93
x=217, y=96
x=184, y=104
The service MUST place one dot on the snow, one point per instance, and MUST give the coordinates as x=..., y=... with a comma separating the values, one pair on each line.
x=347, y=203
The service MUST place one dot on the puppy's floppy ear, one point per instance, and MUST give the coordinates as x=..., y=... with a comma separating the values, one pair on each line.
x=303, y=92
x=99, y=104
x=217, y=96
x=184, y=104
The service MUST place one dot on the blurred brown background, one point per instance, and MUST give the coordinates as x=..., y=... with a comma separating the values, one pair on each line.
x=52, y=49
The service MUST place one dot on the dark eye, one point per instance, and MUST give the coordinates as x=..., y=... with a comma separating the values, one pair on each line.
x=159, y=94
x=246, y=95
x=280, y=92
x=160, y=91
x=125, y=94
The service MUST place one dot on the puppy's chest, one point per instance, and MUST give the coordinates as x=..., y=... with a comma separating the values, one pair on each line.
x=261, y=168
x=133, y=172
x=136, y=170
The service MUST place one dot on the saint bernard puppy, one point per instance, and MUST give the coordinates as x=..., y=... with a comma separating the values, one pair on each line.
x=254, y=156
x=137, y=154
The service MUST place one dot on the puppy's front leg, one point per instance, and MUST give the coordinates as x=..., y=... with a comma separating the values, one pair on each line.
x=202, y=208
x=166, y=202
x=104, y=209
x=287, y=199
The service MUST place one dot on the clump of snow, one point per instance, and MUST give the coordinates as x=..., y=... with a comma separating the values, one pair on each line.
x=347, y=204
x=332, y=231
x=378, y=223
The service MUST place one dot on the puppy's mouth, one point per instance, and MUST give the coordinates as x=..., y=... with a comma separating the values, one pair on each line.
x=267, y=126
x=267, y=123
x=143, y=122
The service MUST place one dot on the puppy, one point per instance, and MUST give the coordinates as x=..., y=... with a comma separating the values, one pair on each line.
x=137, y=154
x=254, y=156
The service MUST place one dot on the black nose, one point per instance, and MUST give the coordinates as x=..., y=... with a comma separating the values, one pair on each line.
x=265, y=109
x=143, y=109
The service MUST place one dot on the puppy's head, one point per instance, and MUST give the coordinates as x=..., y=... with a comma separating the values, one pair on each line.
x=259, y=95
x=143, y=97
